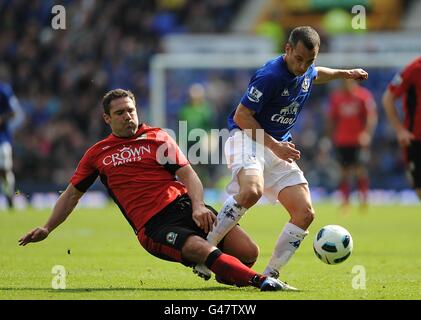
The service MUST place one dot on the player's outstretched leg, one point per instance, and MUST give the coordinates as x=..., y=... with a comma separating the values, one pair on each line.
x=231, y=269
x=197, y=249
x=296, y=199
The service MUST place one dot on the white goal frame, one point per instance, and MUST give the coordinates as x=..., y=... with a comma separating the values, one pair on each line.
x=160, y=63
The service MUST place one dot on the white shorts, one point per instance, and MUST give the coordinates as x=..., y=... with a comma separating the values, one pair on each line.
x=243, y=152
x=6, y=161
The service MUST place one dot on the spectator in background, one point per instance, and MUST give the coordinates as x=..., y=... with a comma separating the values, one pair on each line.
x=352, y=118
x=9, y=109
x=407, y=84
x=199, y=115
x=50, y=68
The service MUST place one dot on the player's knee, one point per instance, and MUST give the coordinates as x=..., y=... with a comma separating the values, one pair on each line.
x=304, y=217
x=249, y=196
x=251, y=253
x=308, y=215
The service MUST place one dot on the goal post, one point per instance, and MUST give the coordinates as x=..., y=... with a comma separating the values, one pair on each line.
x=160, y=63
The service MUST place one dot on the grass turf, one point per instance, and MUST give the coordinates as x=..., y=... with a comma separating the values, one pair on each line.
x=103, y=259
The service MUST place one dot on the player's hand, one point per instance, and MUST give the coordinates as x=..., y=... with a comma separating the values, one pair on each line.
x=204, y=218
x=38, y=234
x=364, y=139
x=357, y=74
x=286, y=151
x=405, y=137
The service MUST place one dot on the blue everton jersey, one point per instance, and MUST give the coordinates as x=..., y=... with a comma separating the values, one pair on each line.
x=277, y=96
x=7, y=99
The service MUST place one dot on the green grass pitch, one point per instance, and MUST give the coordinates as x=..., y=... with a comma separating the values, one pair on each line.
x=103, y=259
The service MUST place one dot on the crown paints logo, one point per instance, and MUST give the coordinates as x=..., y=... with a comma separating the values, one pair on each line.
x=126, y=155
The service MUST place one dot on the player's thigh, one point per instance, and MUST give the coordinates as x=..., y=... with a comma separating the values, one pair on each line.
x=296, y=199
x=165, y=235
x=239, y=244
x=245, y=163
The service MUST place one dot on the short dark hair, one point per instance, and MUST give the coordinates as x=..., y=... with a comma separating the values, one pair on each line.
x=307, y=35
x=115, y=94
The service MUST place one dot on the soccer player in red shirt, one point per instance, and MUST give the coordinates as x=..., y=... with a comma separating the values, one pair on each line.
x=407, y=84
x=352, y=118
x=160, y=195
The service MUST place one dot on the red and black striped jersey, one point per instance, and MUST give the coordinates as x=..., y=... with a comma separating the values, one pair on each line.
x=408, y=85
x=138, y=172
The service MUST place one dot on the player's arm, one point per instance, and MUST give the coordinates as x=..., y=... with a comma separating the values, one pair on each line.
x=203, y=217
x=327, y=74
x=62, y=209
x=389, y=104
x=370, y=125
x=244, y=118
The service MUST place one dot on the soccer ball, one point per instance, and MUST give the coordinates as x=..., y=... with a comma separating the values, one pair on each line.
x=333, y=244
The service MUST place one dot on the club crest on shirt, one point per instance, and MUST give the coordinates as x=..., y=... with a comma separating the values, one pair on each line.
x=171, y=237
x=306, y=84
x=253, y=94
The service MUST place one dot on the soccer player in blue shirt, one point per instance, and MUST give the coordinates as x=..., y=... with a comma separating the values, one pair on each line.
x=259, y=151
x=9, y=105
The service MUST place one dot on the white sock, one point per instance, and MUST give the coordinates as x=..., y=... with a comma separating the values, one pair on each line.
x=288, y=242
x=227, y=218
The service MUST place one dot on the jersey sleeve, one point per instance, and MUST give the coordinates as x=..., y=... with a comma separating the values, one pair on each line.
x=260, y=90
x=169, y=154
x=313, y=74
x=85, y=174
x=400, y=82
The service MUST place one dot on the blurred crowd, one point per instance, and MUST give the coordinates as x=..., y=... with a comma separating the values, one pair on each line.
x=60, y=76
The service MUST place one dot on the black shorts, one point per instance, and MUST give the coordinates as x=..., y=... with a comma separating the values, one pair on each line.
x=349, y=156
x=166, y=232
x=413, y=156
